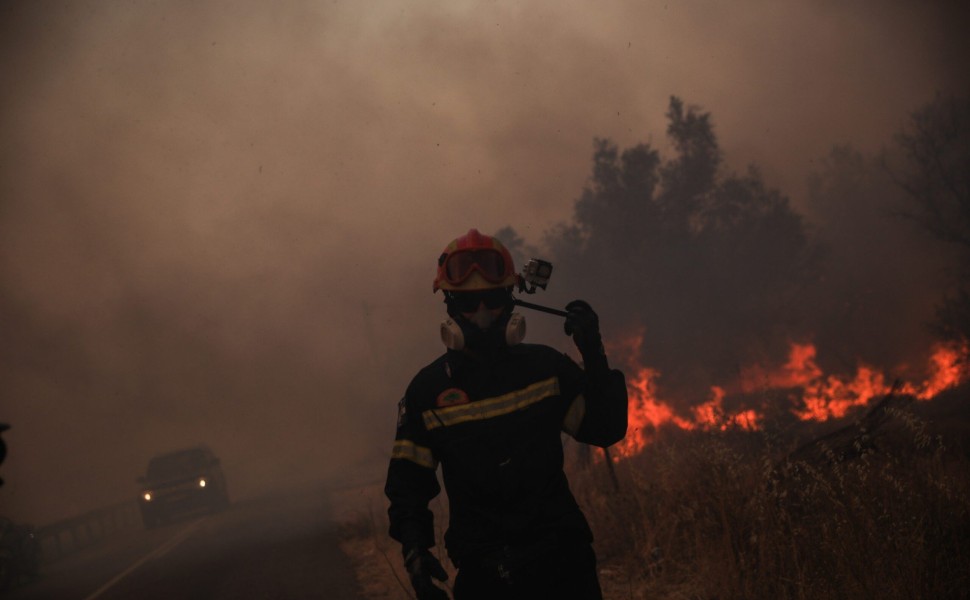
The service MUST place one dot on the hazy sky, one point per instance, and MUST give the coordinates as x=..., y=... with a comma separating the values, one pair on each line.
x=219, y=220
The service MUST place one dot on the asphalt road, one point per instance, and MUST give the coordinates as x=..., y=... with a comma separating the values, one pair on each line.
x=283, y=546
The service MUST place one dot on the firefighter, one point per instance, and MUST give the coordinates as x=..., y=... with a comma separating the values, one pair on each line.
x=490, y=411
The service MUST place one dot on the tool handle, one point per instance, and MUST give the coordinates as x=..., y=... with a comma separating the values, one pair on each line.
x=545, y=309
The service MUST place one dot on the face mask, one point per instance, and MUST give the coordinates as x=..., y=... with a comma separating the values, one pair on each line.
x=483, y=318
x=451, y=335
x=515, y=330
x=455, y=335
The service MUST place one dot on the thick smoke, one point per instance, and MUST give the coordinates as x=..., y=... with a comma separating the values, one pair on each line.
x=715, y=272
x=218, y=221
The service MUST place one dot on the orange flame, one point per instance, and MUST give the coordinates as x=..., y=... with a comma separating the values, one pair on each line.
x=646, y=413
x=832, y=397
x=711, y=414
x=816, y=396
x=799, y=371
x=948, y=368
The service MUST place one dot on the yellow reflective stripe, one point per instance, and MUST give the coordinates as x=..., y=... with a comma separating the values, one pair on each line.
x=491, y=407
x=420, y=455
x=574, y=416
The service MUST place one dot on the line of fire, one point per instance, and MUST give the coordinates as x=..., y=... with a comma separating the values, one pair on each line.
x=810, y=393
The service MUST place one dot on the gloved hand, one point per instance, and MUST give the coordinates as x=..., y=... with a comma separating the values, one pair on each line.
x=422, y=566
x=583, y=324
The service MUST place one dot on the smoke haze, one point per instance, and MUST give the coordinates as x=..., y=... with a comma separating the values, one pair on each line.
x=218, y=221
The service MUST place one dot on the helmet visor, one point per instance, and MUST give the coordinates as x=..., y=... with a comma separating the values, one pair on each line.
x=462, y=263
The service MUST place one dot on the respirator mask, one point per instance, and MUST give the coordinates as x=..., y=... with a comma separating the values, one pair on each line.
x=481, y=320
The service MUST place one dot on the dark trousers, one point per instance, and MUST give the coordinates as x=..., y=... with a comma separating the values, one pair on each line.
x=562, y=573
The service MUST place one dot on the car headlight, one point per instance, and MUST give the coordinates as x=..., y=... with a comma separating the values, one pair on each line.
x=147, y=496
x=202, y=482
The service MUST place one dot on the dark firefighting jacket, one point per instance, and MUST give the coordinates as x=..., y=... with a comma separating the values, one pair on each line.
x=494, y=427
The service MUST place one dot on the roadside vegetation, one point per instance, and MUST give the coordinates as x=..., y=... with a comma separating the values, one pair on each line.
x=877, y=506
x=735, y=514
x=720, y=270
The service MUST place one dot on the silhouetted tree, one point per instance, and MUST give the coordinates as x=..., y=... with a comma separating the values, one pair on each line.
x=935, y=175
x=880, y=276
x=708, y=263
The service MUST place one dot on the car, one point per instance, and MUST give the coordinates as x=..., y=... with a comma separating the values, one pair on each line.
x=182, y=483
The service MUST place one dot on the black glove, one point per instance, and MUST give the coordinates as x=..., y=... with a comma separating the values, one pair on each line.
x=422, y=566
x=583, y=324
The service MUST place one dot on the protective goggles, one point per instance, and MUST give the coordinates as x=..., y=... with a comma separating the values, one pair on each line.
x=467, y=302
x=459, y=265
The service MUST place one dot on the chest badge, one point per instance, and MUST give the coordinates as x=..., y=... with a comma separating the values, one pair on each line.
x=452, y=397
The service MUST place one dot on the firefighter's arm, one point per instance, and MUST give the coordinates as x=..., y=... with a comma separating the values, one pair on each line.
x=597, y=414
x=411, y=483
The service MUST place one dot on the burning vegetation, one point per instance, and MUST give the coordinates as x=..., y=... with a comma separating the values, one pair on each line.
x=811, y=394
x=728, y=301
x=796, y=430
x=789, y=435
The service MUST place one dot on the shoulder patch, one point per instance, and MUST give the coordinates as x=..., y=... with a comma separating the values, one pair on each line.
x=402, y=413
x=451, y=397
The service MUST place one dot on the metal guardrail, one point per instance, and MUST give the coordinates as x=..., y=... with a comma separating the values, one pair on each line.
x=67, y=536
x=70, y=535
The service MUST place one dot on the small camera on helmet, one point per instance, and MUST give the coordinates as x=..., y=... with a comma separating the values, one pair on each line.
x=536, y=274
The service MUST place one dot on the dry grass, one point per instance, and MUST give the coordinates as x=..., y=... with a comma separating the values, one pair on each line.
x=721, y=515
x=377, y=558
